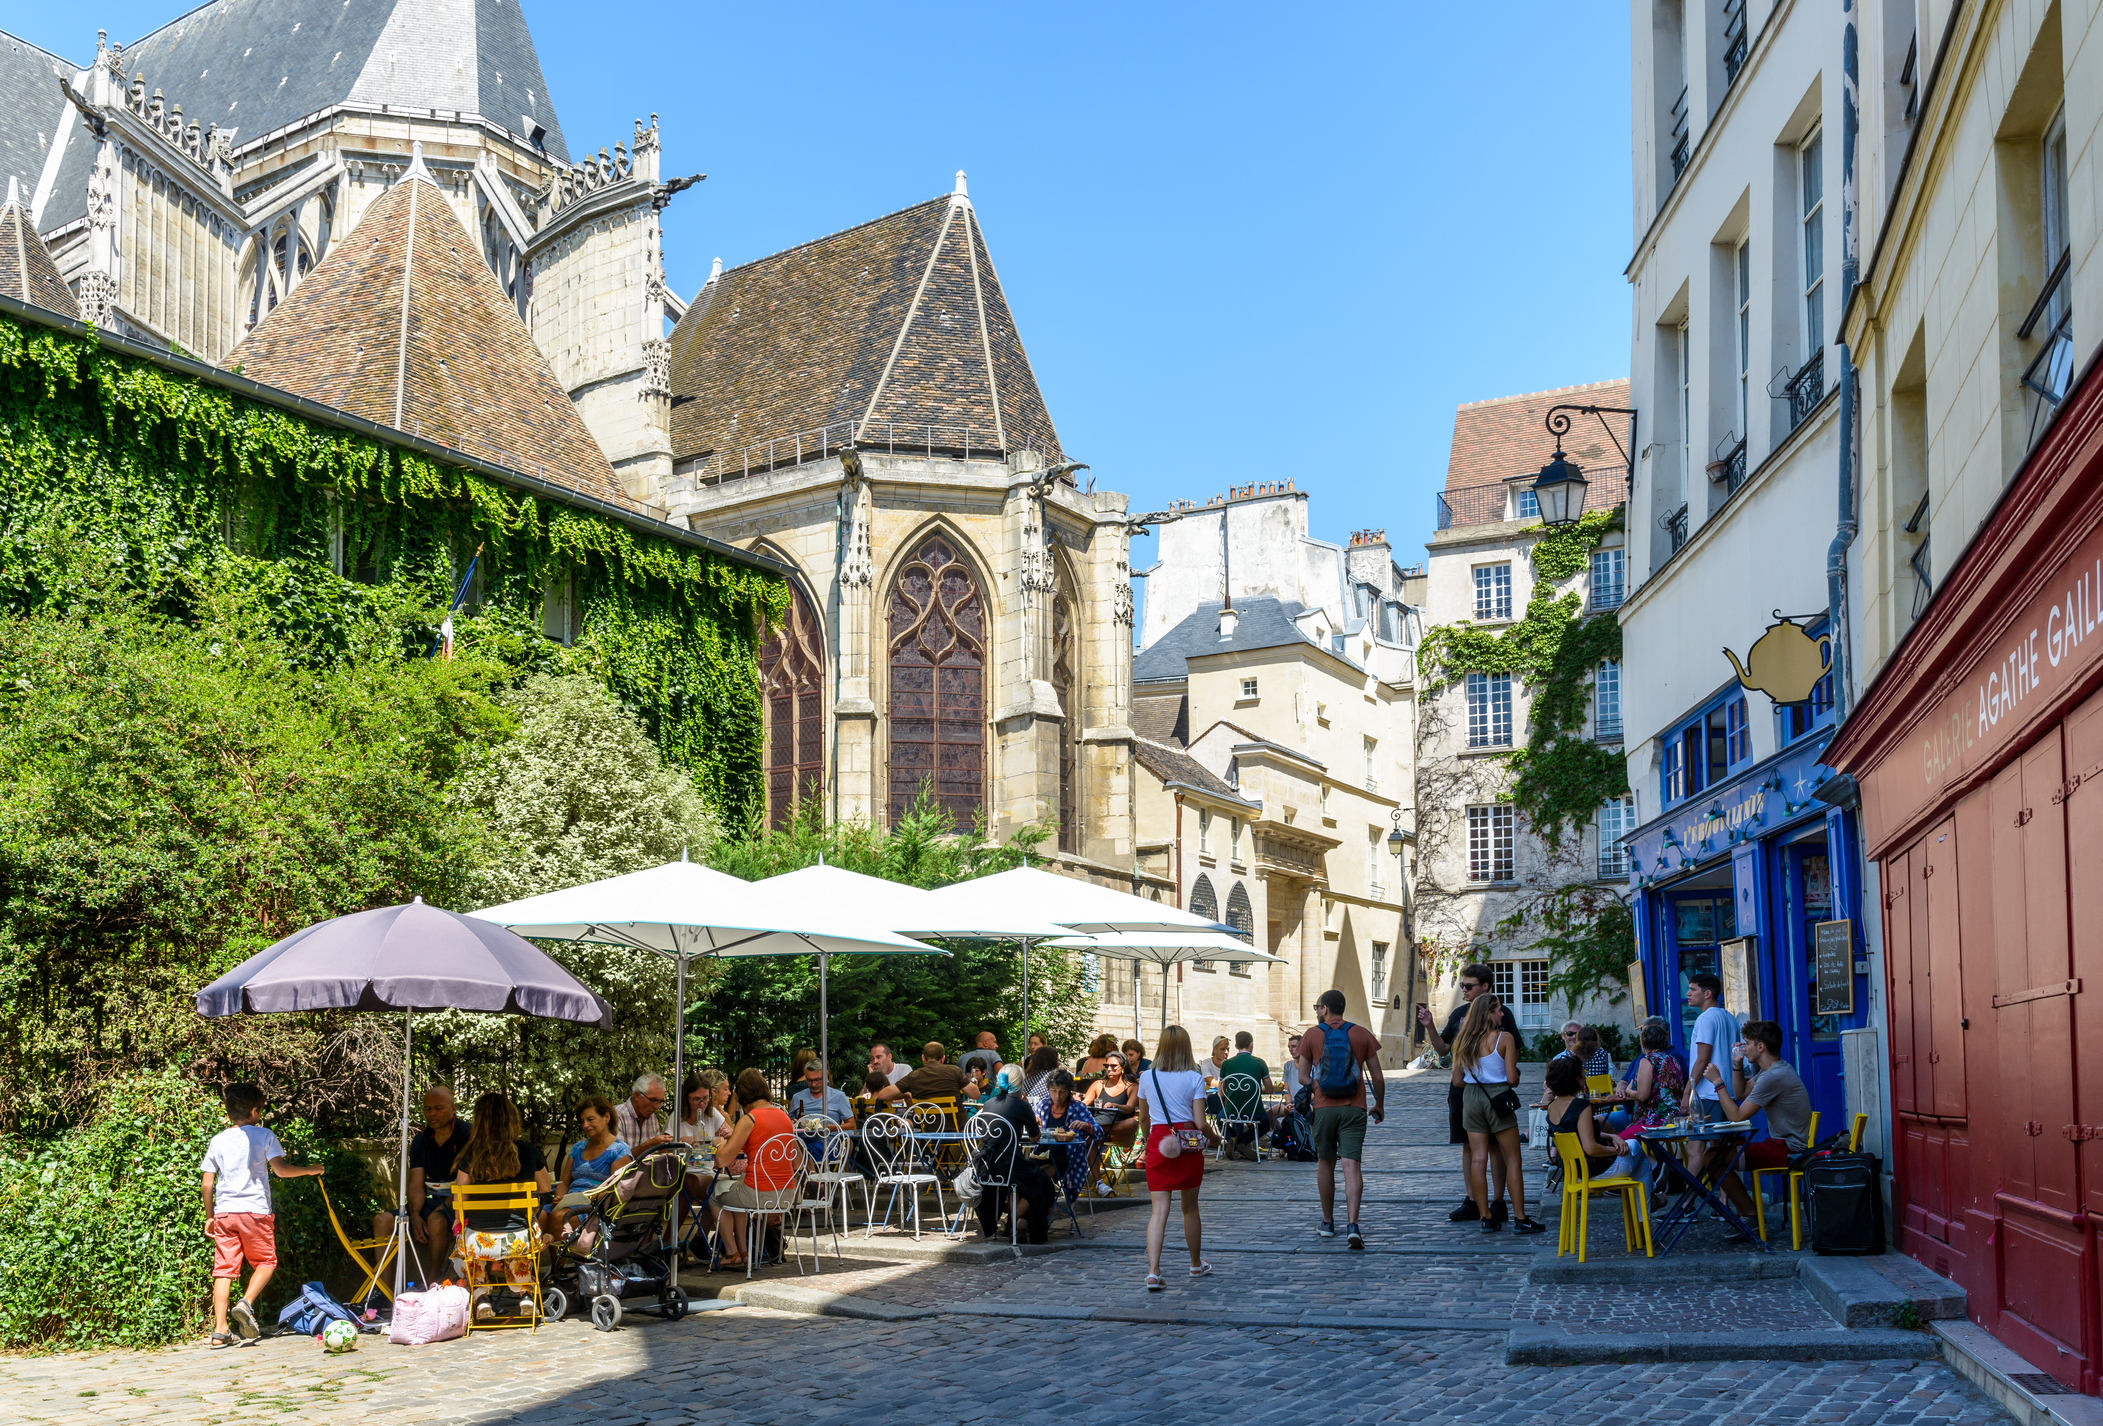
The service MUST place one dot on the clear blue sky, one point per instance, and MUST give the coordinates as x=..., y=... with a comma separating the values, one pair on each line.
x=1241, y=242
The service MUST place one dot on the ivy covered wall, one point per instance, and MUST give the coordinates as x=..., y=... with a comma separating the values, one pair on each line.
x=118, y=470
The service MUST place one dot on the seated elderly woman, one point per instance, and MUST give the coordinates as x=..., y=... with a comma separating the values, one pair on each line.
x=754, y=1170
x=1070, y=1128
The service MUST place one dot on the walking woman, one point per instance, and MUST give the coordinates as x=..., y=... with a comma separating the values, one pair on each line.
x=1488, y=1056
x=1174, y=1091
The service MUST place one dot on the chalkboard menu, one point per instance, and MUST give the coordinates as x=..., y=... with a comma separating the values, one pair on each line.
x=1833, y=961
x=1635, y=993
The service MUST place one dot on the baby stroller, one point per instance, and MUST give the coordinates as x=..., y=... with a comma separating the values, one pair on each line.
x=617, y=1254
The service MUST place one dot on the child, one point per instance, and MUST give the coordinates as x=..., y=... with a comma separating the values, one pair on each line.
x=237, y=1210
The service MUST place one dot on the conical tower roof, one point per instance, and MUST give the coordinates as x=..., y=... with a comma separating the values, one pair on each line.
x=27, y=272
x=404, y=325
x=891, y=329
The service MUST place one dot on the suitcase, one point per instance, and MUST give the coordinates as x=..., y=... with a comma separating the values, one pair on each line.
x=1846, y=1204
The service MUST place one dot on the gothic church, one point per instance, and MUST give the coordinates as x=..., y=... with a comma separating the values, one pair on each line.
x=373, y=205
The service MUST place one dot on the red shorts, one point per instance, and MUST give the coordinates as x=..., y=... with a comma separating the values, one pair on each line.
x=1767, y=1154
x=242, y=1235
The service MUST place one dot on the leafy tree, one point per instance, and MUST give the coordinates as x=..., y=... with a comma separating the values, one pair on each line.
x=1588, y=935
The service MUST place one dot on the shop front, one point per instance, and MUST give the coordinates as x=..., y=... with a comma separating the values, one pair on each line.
x=1979, y=750
x=1755, y=881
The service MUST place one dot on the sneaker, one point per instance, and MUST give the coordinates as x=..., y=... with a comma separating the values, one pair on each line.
x=1491, y=1225
x=1327, y=1230
x=1466, y=1213
x=243, y=1319
x=1528, y=1225
x=1501, y=1211
x=1354, y=1239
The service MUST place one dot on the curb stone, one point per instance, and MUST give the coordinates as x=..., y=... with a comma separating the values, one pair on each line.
x=2010, y=1381
x=1552, y=1346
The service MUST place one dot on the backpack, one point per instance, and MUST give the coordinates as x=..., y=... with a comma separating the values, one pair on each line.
x=313, y=1309
x=1337, y=1074
x=1846, y=1204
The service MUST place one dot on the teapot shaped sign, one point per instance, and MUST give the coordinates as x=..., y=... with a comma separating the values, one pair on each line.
x=1785, y=663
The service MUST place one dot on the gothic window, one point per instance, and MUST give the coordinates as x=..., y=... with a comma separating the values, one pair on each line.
x=937, y=641
x=1239, y=916
x=1062, y=679
x=1202, y=900
x=792, y=681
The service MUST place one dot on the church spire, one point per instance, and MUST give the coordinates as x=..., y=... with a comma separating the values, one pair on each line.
x=962, y=194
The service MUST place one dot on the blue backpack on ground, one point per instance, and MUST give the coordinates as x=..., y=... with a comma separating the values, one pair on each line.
x=1337, y=1075
x=313, y=1310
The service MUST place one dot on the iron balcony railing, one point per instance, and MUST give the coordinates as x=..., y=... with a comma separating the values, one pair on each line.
x=1607, y=595
x=1729, y=469
x=1607, y=729
x=1613, y=863
x=798, y=447
x=2051, y=371
x=1733, y=40
x=1492, y=504
x=1676, y=528
x=1806, y=389
x=1682, y=140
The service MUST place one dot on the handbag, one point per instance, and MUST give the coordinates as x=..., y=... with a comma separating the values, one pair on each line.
x=1178, y=1138
x=1536, y=1128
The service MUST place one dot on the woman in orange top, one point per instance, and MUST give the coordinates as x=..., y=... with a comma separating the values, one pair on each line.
x=763, y=1151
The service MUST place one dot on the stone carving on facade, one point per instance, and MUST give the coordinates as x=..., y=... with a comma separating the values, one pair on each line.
x=1037, y=571
x=657, y=367
x=102, y=190
x=858, y=569
x=97, y=297
x=570, y=182
x=1121, y=596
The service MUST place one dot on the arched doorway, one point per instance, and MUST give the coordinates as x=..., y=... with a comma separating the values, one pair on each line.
x=792, y=685
x=937, y=714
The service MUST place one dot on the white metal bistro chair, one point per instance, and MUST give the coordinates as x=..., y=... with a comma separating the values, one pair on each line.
x=782, y=1162
x=887, y=1143
x=993, y=1146
x=832, y=1172
x=1240, y=1107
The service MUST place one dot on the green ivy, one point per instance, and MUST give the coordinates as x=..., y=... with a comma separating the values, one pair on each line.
x=1560, y=777
x=118, y=472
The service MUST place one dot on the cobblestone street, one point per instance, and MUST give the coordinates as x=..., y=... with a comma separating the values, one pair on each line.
x=1289, y=1327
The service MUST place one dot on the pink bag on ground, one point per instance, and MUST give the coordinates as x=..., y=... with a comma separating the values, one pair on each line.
x=435, y=1315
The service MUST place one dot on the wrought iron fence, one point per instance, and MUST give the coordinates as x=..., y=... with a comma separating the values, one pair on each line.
x=1491, y=504
x=1682, y=139
x=1607, y=730
x=2051, y=371
x=1806, y=389
x=1733, y=40
x=1676, y=528
x=1730, y=469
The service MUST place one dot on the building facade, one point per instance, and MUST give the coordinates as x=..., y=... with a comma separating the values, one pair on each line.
x=1739, y=865
x=1273, y=720
x=1974, y=578
x=1478, y=861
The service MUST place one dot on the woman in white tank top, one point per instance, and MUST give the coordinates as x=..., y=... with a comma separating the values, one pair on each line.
x=1488, y=1057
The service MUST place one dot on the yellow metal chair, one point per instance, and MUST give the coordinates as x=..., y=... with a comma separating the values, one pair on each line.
x=518, y=1271
x=1599, y=1085
x=1854, y=1138
x=359, y=1248
x=1579, y=1187
x=1795, y=1182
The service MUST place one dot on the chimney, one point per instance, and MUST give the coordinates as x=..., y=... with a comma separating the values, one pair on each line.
x=1228, y=619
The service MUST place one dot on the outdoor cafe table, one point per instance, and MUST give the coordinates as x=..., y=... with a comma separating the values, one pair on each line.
x=1698, y=1190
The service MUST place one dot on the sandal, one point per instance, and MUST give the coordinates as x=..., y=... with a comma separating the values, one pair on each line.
x=221, y=1340
x=1203, y=1269
x=1154, y=1282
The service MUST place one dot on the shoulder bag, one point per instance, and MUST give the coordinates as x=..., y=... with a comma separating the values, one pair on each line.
x=1178, y=1138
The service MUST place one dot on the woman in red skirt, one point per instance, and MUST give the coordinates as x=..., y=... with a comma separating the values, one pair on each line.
x=1175, y=1103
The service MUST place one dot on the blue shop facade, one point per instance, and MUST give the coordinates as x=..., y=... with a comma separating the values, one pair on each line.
x=1750, y=879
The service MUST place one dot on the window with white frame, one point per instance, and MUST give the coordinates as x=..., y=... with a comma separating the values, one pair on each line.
x=1745, y=342
x=1489, y=710
x=1248, y=688
x=1686, y=404
x=1325, y=799
x=1490, y=837
x=1616, y=820
x=1372, y=863
x=1204, y=832
x=1525, y=504
x=1504, y=985
x=1493, y=591
x=1606, y=700
x=1372, y=764
x=1532, y=1008
x=1609, y=578
x=1811, y=160
x=1234, y=839
x=1379, y=970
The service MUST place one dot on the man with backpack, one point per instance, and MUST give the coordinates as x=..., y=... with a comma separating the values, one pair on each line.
x=1334, y=1057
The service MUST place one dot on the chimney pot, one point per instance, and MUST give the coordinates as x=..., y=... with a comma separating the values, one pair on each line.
x=1228, y=618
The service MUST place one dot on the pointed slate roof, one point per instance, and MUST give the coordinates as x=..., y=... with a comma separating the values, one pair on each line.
x=899, y=324
x=30, y=108
x=27, y=272
x=470, y=376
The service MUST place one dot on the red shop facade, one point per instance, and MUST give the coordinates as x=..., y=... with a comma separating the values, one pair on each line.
x=1979, y=752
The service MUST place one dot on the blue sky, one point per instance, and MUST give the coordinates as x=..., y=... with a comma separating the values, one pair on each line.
x=1242, y=243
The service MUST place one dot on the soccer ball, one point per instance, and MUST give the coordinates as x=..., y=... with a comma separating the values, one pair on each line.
x=339, y=1337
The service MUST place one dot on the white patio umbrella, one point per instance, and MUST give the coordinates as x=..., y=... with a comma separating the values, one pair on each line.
x=1075, y=904
x=1167, y=948
x=911, y=911
x=683, y=909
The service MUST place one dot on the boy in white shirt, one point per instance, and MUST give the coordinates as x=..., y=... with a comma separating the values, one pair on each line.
x=237, y=1168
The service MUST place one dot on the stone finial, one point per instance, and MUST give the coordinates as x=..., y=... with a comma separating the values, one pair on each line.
x=14, y=192
x=715, y=269
x=962, y=194
x=416, y=164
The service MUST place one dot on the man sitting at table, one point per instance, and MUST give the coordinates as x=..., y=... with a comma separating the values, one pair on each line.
x=639, y=1120
x=1247, y=1103
x=1774, y=1087
x=880, y=1062
x=984, y=1057
x=935, y=1079
x=815, y=1096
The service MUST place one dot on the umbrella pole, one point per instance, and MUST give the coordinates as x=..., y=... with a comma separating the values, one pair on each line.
x=1025, y=999
x=401, y=1202
x=824, y=1028
x=679, y=1111
x=1164, y=998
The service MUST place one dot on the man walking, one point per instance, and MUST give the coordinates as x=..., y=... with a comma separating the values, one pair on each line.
x=1475, y=980
x=1335, y=1056
x=1715, y=1032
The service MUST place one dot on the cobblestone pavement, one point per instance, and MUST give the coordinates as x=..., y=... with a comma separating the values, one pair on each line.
x=1457, y=1287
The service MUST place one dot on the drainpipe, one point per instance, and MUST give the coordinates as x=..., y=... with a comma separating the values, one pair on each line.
x=1844, y=532
x=1179, y=851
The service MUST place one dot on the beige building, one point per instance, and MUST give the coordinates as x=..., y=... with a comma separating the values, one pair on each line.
x=1272, y=760
x=1478, y=860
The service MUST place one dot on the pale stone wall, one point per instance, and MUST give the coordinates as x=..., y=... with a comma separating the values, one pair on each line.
x=177, y=268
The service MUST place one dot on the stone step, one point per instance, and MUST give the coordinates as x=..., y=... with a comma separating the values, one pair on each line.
x=1886, y=1291
x=1540, y=1346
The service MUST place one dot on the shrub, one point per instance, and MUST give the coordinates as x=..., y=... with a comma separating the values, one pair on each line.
x=102, y=1239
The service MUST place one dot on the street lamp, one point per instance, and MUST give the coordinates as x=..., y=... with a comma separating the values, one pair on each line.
x=1398, y=839
x=1560, y=487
